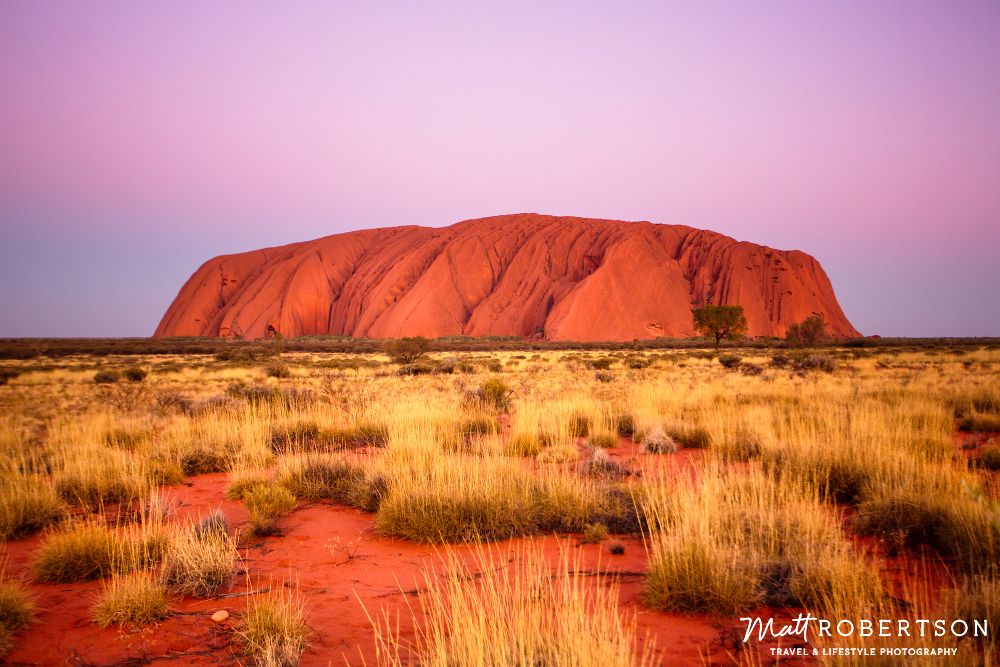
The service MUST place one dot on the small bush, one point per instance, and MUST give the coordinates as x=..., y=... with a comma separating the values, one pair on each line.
x=135, y=374
x=274, y=630
x=415, y=369
x=494, y=394
x=133, y=600
x=280, y=371
x=407, y=350
x=604, y=376
x=267, y=503
x=595, y=533
x=730, y=360
x=815, y=362
x=658, y=442
x=751, y=370
x=107, y=377
x=780, y=361
x=637, y=363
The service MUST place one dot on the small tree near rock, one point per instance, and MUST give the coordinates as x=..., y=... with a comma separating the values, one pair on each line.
x=407, y=350
x=727, y=322
x=807, y=333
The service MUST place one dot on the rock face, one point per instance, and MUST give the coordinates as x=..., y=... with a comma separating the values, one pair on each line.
x=523, y=275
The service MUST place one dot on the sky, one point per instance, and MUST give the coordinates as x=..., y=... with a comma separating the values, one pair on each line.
x=138, y=139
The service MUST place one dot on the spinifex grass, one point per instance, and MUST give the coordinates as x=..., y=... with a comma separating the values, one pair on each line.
x=515, y=608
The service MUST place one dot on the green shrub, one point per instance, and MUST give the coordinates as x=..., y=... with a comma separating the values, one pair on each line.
x=267, y=503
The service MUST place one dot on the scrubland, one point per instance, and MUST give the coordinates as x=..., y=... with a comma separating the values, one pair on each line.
x=849, y=483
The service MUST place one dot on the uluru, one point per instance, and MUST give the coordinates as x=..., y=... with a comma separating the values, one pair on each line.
x=525, y=275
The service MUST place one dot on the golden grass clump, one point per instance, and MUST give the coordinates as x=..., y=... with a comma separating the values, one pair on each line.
x=319, y=476
x=274, y=630
x=515, y=609
x=28, y=503
x=267, y=503
x=131, y=600
x=16, y=611
x=199, y=561
x=447, y=498
x=725, y=543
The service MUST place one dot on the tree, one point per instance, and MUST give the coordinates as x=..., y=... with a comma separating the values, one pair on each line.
x=727, y=322
x=807, y=333
x=407, y=350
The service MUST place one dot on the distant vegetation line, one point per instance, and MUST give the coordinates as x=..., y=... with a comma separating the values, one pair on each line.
x=28, y=348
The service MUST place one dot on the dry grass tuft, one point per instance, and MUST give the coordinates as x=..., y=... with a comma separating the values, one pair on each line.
x=274, y=631
x=522, y=612
x=132, y=600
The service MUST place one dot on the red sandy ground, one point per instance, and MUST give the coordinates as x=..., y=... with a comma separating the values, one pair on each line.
x=337, y=591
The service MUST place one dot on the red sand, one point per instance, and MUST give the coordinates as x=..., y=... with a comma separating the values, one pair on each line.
x=332, y=587
x=524, y=275
x=337, y=590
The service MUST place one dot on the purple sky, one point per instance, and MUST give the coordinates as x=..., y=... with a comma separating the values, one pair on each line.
x=138, y=139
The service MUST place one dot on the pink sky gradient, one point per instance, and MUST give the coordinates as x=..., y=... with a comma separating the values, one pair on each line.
x=138, y=139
